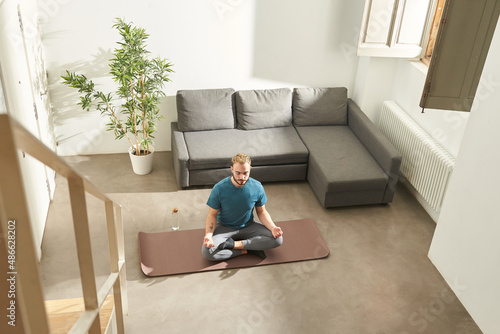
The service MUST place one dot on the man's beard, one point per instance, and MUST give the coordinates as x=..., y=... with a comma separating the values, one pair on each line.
x=240, y=182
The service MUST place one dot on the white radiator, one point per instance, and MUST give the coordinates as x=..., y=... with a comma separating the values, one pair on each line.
x=426, y=165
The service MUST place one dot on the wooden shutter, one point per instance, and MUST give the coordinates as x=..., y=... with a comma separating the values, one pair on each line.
x=459, y=54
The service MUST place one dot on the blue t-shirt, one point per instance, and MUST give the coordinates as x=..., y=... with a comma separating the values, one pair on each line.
x=235, y=204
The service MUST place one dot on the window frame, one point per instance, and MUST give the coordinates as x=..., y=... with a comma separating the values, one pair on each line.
x=392, y=46
x=431, y=30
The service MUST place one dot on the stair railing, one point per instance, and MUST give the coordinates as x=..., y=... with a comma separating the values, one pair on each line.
x=17, y=240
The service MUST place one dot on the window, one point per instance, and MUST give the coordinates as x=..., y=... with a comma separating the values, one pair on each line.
x=457, y=33
x=394, y=28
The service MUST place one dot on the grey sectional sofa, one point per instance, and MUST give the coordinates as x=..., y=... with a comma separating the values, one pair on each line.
x=316, y=134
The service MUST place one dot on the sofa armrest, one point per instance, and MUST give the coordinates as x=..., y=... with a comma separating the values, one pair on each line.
x=180, y=156
x=382, y=150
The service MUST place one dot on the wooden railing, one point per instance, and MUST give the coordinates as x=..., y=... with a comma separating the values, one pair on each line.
x=29, y=296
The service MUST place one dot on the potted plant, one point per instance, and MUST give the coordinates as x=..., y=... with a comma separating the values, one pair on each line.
x=133, y=109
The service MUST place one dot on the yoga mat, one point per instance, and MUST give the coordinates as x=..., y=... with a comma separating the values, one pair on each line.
x=179, y=252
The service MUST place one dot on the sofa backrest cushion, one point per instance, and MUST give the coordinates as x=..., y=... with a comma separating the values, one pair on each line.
x=320, y=106
x=205, y=109
x=267, y=108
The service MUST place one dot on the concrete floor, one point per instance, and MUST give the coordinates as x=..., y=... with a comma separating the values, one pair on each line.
x=377, y=279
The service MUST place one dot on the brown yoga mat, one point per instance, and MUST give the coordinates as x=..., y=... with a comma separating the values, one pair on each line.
x=179, y=252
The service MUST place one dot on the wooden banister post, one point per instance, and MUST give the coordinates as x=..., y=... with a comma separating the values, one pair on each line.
x=114, y=258
x=83, y=246
x=28, y=296
x=121, y=258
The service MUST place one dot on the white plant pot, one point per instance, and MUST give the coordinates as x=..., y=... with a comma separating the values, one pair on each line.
x=141, y=164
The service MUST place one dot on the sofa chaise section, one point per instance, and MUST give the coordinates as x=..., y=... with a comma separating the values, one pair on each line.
x=350, y=161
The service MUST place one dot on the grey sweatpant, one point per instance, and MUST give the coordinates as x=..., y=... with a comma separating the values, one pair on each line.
x=255, y=236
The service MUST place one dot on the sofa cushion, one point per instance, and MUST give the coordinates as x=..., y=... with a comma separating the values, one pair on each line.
x=268, y=108
x=272, y=146
x=320, y=106
x=340, y=160
x=205, y=109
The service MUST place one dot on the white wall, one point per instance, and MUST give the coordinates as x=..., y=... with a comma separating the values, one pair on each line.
x=18, y=80
x=465, y=247
x=251, y=44
x=374, y=81
x=308, y=43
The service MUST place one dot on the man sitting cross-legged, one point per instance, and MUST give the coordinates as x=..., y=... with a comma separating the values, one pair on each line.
x=230, y=228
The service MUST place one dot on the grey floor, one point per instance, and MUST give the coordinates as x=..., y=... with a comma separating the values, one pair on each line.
x=377, y=279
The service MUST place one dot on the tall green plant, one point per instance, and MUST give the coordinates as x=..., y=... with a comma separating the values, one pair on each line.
x=140, y=81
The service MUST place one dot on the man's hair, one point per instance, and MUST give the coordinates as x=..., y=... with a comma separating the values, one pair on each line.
x=241, y=158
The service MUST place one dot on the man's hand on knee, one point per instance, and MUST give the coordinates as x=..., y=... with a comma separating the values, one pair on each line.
x=277, y=232
x=208, y=242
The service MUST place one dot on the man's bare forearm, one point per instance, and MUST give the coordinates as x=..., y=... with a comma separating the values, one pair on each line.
x=265, y=219
x=210, y=224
